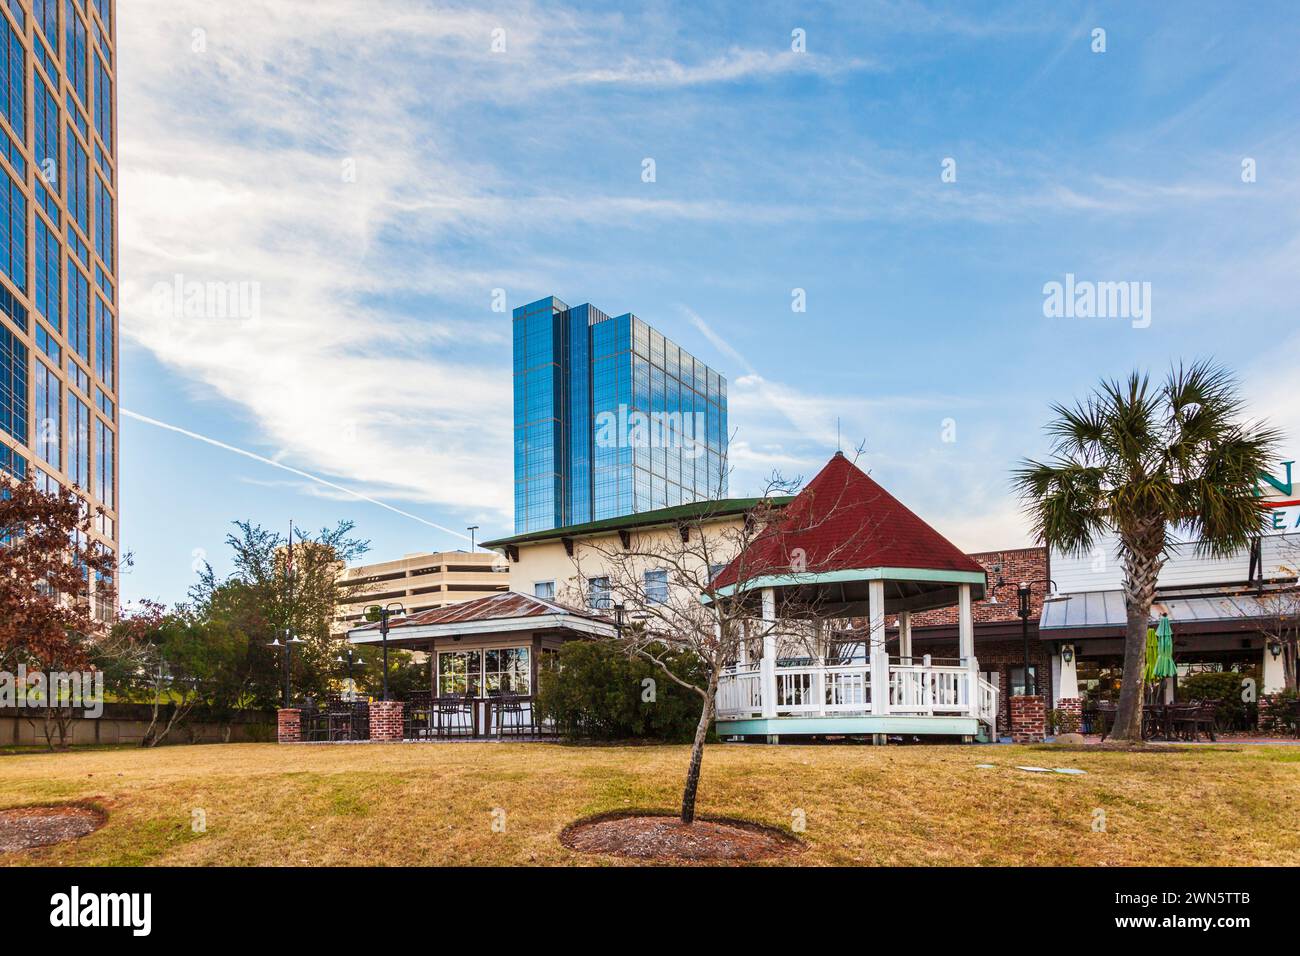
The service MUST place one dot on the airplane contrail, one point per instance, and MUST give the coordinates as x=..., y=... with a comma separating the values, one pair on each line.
x=295, y=471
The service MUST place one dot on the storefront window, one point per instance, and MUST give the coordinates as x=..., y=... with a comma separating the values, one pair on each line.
x=505, y=670
x=1018, y=681
x=460, y=672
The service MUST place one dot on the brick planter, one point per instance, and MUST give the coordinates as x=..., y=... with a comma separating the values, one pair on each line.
x=1074, y=707
x=288, y=722
x=1028, y=719
x=386, y=720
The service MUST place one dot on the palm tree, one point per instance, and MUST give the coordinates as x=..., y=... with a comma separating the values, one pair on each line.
x=1138, y=462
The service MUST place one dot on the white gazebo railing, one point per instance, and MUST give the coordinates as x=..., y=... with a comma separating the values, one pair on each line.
x=740, y=693
x=821, y=689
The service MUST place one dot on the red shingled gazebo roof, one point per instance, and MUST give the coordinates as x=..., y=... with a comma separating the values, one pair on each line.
x=844, y=521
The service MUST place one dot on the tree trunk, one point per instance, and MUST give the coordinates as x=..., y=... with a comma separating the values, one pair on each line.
x=697, y=751
x=1142, y=564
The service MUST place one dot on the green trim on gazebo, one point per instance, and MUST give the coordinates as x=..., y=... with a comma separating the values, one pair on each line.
x=856, y=574
x=955, y=726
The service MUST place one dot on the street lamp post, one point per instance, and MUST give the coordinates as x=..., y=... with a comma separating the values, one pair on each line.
x=471, y=529
x=349, y=662
x=1024, y=590
x=382, y=616
x=1023, y=611
x=288, y=658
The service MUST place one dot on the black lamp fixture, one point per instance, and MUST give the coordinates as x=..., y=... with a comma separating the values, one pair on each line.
x=288, y=644
x=620, y=617
x=1275, y=648
x=1067, y=653
x=350, y=661
x=382, y=615
x=1024, y=590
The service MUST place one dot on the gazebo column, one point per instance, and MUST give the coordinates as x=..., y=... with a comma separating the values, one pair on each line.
x=767, y=667
x=905, y=635
x=879, y=652
x=966, y=646
x=965, y=627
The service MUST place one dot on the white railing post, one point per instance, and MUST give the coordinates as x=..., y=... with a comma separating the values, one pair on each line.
x=819, y=687
x=768, y=669
x=878, y=653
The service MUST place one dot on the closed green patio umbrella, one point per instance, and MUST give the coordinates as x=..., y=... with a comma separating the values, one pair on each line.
x=1164, y=666
x=1153, y=652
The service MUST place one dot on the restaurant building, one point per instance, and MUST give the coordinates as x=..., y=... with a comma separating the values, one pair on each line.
x=1237, y=613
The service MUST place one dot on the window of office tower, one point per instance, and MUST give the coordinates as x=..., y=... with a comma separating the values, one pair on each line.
x=13, y=386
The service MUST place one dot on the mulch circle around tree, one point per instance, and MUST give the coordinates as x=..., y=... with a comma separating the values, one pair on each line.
x=646, y=835
x=24, y=828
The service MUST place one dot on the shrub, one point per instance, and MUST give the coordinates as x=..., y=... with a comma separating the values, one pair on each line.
x=1225, y=689
x=1280, y=711
x=1063, y=722
x=600, y=693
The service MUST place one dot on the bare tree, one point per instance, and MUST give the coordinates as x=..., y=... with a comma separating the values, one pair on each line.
x=689, y=610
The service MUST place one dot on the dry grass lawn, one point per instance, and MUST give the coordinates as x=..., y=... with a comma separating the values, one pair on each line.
x=434, y=804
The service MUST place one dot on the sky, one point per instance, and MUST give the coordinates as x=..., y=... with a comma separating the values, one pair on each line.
x=373, y=178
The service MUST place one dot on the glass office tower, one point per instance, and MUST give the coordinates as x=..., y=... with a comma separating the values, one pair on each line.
x=58, y=249
x=611, y=418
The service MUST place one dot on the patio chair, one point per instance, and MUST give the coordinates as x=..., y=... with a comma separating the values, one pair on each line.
x=452, y=715
x=1105, y=717
x=338, y=719
x=417, y=719
x=512, y=716
x=360, y=720
x=1183, y=720
x=1205, y=719
x=312, y=722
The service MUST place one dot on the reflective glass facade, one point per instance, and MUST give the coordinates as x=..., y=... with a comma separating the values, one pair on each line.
x=611, y=418
x=58, y=249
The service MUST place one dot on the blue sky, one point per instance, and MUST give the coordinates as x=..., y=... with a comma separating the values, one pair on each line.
x=374, y=178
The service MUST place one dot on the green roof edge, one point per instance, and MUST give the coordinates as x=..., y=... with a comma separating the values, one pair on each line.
x=720, y=508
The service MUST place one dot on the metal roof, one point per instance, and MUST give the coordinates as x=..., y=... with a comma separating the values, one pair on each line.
x=498, y=607
x=1089, y=609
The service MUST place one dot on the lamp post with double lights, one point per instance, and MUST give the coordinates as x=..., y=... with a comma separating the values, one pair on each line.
x=382, y=615
x=350, y=661
x=288, y=644
x=1024, y=591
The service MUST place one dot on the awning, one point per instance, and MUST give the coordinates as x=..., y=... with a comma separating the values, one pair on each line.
x=1089, y=610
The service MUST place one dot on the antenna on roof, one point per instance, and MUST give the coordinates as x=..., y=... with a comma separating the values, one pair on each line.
x=838, y=445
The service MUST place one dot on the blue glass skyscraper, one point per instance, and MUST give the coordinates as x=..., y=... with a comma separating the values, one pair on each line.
x=611, y=418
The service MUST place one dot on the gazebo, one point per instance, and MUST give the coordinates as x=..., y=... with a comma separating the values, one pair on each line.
x=845, y=548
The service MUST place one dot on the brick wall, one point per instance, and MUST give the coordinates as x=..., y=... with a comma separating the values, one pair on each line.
x=1028, y=719
x=386, y=720
x=288, y=722
x=1021, y=564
